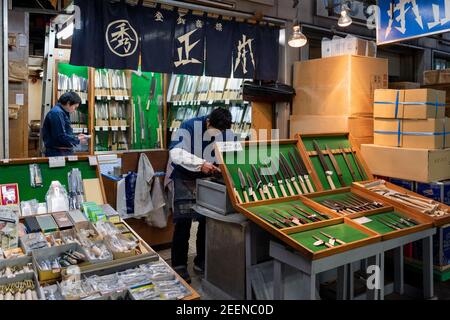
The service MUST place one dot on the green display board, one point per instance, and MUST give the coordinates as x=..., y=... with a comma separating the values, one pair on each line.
x=19, y=173
x=334, y=142
x=69, y=70
x=378, y=226
x=342, y=231
x=258, y=155
x=140, y=87
x=267, y=209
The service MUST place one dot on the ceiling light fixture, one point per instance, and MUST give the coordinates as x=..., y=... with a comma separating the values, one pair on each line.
x=298, y=39
x=344, y=20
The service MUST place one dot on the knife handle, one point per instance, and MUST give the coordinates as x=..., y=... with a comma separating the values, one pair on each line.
x=267, y=192
x=247, y=200
x=253, y=194
x=308, y=182
x=283, y=190
x=328, y=245
x=275, y=193
x=261, y=192
x=289, y=187
x=297, y=188
x=330, y=182
x=238, y=197
x=302, y=184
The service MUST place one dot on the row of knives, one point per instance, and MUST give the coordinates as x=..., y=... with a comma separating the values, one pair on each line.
x=111, y=141
x=106, y=112
x=291, y=178
x=111, y=83
x=351, y=203
x=74, y=83
x=78, y=119
x=295, y=216
x=335, y=170
x=76, y=189
x=203, y=88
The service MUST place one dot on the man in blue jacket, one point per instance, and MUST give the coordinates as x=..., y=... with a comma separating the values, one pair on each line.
x=57, y=132
x=192, y=157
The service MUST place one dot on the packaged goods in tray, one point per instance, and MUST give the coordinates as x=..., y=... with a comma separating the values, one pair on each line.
x=15, y=270
x=121, y=246
x=35, y=176
x=32, y=208
x=8, y=228
x=34, y=241
x=64, y=260
x=96, y=252
x=106, y=228
x=23, y=290
x=56, y=198
x=154, y=280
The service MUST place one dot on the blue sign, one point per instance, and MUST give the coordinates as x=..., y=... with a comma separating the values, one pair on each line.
x=408, y=19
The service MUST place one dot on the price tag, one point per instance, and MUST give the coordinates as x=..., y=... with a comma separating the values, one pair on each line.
x=119, y=98
x=56, y=162
x=85, y=130
x=5, y=161
x=115, y=128
x=210, y=102
x=126, y=98
x=123, y=128
x=72, y=158
x=105, y=128
x=83, y=101
x=229, y=146
x=97, y=128
x=175, y=103
x=92, y=160
x=362, y=220
x=227, y=101
x=108, y=97
x=98, y=97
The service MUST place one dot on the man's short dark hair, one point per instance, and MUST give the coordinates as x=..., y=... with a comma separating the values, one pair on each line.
x=220, y=119
x=69, y=97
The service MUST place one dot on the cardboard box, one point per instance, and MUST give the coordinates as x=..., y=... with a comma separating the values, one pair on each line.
x=444, y=76
x=404, y=85
x=431, y=77
x=360, y=127
x=317, y=124
x=410, y=164
x=360, y=141
x=338, y=86
x=409, y=104
x=439, y=191
x=425, y=134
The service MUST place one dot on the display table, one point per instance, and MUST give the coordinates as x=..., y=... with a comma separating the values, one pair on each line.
x=343, y=262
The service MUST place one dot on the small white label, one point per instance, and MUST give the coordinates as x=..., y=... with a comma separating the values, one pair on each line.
x=229, y=146
x=108, y=97
x=227, y=101
x=210, y=101
x=126, y=98
x=97, y=128
x=115, y=128
x=20, y=99
x=72, y=158
x=98, y=97
x=85, y=130
x=83, y=101
x=105, y=128
x=6, y=161
x=123, y=128
x=362, y=220
x=56, y=162
x=119, y=98
x=92, y=160
x=175, y=103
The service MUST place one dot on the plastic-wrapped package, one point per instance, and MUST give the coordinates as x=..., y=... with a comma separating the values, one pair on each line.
x=57, y=199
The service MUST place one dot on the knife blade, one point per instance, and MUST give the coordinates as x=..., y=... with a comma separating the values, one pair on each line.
x=285, y=173
x=298, y=172
x=291, y=172
x=259, y=183
x=326, y=169
x=336, y=166
x=347, y=162
x=303, y=169
x=332, y=238
x=244, y=186
x=280, y=179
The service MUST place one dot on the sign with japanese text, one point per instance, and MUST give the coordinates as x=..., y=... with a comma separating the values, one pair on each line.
x=408, y=19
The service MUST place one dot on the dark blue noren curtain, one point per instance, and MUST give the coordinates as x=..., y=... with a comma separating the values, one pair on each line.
x=267, y=66
x=246, y=41
x=157, y=39
x=121, y=24
x=219, y=47
x=88, y=35
x=189, y=44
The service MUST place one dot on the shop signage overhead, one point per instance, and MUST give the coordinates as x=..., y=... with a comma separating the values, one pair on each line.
x=408, y=19
x=115, y=34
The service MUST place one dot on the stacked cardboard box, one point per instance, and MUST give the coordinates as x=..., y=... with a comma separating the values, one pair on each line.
x=411, y=135
x=336, y=95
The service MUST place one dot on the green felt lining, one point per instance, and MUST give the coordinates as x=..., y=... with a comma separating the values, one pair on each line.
x=286, y=207
x=19, y=173
x=342, y=231
x=256, y=154
x=378, y=226
x=69, y=70
x=334, y=142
